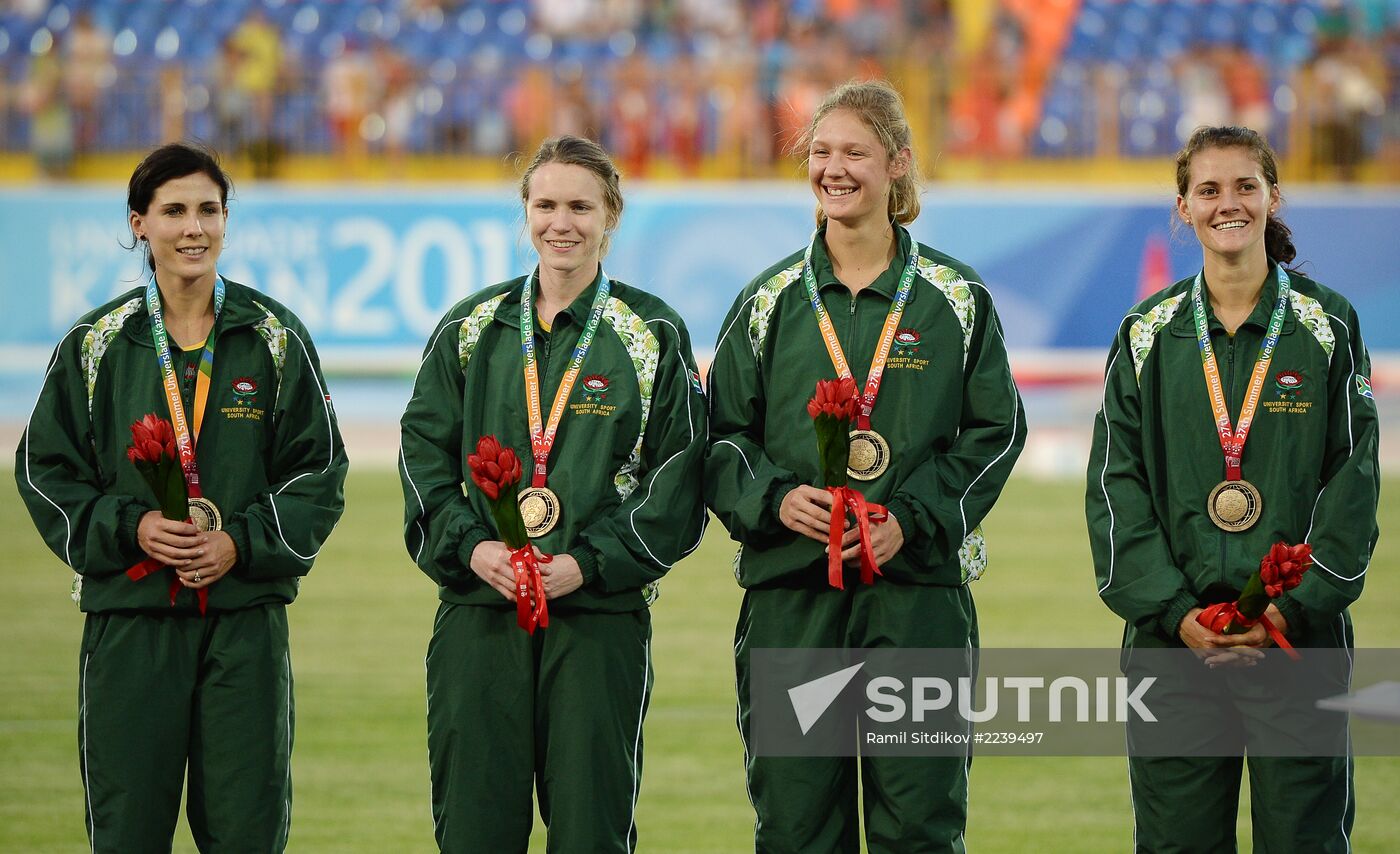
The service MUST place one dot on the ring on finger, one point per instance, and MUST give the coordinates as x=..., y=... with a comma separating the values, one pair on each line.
x=196, y=578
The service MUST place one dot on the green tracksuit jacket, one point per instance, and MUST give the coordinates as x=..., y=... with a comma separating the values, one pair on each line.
x=947, y=406
x=625, y=464
x=270, y=454
x=1156, y=456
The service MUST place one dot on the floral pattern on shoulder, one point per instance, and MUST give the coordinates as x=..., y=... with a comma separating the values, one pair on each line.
x=765, y=301
x=1142, y=335
x=1311, y=314
x=958, y=293
x=470, y=331
x=97, y=339
x=274, y=334
x=644, y=350
x=972, y=556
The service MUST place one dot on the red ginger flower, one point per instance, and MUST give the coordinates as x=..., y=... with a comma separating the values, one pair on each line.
x=835, y=398
x=1283, y=567
x=494, y=469
x=151, y=439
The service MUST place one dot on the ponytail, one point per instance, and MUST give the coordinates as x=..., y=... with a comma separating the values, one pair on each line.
x=1278, y=241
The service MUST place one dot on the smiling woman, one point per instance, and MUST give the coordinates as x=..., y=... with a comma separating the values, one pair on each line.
x=866, y=288
x=564, y=709
x=1192, y=482
x=200, y=650
x=183, y=229
x=569, y=221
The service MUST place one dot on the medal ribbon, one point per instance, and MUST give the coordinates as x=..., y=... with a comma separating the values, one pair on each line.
x=882, y=349
x=1232, y=439
x=185, y=437
x=542, y=434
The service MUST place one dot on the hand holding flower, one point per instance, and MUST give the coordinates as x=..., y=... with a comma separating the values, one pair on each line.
x=832, y=409
x=807, y=510
x=496, y=472
x=167, y=536
x=1279, y=571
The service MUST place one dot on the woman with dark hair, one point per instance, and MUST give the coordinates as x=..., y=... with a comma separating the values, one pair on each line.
x=616, y=470
x=940, y=427
x=185, y=674
x=1237, y=413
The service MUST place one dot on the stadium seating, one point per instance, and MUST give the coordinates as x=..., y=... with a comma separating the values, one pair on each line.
x=1119, y=55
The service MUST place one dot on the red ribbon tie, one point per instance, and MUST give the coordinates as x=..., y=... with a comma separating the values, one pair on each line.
x=1221, y=616
x=843, y=499
x=531, y=610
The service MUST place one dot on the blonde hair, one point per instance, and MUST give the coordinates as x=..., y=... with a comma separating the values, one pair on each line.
x=879, y=107
x=577, y=151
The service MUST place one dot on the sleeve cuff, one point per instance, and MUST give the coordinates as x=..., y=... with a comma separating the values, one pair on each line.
x=1175, y=613
x=780, y=490
x=237, y=530
x=904, y=515
x=1292, y=611
x=452, y=555
x=128, y=521
x=472, y=537
x=587, y=560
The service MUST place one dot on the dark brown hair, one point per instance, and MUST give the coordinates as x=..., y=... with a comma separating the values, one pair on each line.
x=171, y=161
x=1278, y=239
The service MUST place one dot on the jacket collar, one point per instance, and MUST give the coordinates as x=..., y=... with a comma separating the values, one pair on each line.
x=886, y=284
x=508, y=312
x=1183, y=325
x=239, y=310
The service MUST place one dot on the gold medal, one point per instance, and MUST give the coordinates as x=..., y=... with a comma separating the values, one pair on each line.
x=869, y=455
x=205, y=515
x=1234, y=505
x=539, y=507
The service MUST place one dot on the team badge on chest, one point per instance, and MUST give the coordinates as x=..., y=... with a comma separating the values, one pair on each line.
x=1289, y=384
x=1290, y=389
x=245, y=401
x=245, y=388
x=904, y=351
x=595, y=389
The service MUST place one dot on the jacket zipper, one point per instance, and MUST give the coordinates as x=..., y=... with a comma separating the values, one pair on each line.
x=851, y=348
x=545, y=338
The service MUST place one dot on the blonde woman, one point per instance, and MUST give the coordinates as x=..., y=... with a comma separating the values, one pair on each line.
x=943, y=425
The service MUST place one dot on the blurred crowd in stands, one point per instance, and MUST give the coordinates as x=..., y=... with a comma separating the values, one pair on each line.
x=694, y=87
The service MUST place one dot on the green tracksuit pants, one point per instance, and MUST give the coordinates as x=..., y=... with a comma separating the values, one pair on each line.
x=162, y=695
x=559, y=712
x=1189, y=803
x=808, y=805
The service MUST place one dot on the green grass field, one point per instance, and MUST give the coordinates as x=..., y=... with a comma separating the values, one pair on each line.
x=360, y=629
